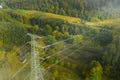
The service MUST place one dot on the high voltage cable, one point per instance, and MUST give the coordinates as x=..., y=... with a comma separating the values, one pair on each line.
x=53, y=55
x=57, y=62
x=57, y=42
x=47, y=46
x=24, y=64
x=64, y=58
x=19, y=71
x=49, y=56
x=63, y=50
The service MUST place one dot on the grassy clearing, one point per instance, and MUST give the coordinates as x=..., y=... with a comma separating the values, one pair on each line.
x=72, y=20
x=50, y=15
x=110, y=22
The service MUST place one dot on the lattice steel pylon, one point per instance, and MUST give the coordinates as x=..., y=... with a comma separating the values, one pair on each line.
x=36, y=70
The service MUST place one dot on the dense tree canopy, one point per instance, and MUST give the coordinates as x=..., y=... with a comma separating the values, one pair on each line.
x=77, y=8
x=95, y=71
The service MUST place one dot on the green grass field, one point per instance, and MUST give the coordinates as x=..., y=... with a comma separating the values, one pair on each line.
x=50, y=15
x=111, y=22
x=72, y=20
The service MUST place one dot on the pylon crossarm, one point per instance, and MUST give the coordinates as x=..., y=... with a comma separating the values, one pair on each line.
x=32, y=35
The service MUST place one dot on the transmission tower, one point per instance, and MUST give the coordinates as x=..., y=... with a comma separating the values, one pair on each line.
x=36, y=70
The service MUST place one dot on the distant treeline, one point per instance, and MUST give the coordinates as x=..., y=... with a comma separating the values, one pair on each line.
x=86, y=9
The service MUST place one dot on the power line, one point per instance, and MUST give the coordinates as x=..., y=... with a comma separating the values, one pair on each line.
x=63, y=58
x=34, y=45
x=19, y=71
x=16, y=52
x=47, y=57
x=66, y=57
x=31, y=42
x=53, y=55
x=26, y=76
x=24, y=64
x=57, y=42
x=60, y=51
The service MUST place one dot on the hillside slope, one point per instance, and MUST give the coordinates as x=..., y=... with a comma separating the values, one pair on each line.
x=78, y=8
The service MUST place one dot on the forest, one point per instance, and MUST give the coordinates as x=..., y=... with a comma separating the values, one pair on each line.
x=90, y=10
x=90, y=41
